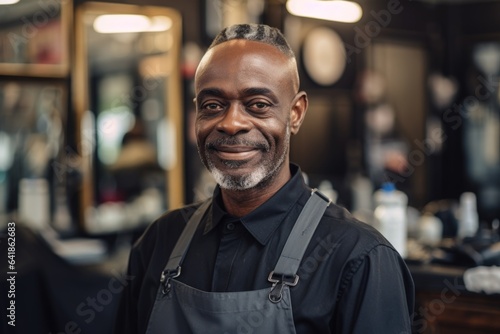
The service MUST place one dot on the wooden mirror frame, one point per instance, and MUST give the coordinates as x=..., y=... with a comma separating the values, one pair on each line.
x=30, y=26
x=173, y=104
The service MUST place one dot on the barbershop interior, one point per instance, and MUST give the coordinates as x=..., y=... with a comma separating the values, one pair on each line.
x=97, y=140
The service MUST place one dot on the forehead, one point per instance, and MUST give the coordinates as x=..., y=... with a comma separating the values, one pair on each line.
x=238, y=62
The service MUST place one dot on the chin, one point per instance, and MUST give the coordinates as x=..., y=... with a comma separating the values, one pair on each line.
x=241, y=181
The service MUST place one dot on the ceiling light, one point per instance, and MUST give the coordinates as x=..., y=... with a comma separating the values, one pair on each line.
x=8, y=2
x=333, y=10
x=129, y=23
x=160, y=23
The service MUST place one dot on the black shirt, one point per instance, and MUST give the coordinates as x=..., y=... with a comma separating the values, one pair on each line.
x=351, y=279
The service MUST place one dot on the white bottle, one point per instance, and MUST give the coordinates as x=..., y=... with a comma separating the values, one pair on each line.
x=468, y=219
x=390, y=216
x=34, y=205
x=430, y=230
x=326, y=188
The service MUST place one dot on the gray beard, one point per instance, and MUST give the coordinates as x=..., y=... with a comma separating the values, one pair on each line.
x=267, y=171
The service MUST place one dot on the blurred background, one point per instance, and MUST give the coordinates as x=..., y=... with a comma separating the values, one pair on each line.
x=97, y=140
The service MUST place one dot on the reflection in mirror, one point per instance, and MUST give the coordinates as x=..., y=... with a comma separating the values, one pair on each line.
x=34, y=37
x=32, y=123
x=128, y=100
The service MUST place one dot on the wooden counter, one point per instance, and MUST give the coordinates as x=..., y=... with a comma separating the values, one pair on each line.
x=444, y=305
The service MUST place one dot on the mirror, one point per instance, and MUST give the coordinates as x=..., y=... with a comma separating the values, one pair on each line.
x=393, y=96
x=34, y=38
x=32, y=139
x=128, y=100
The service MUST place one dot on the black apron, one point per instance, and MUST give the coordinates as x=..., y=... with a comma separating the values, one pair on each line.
x=181, y=309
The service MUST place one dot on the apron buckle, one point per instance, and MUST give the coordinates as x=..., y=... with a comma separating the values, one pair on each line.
x=328, y=200
x=166, y=276
x=279, y=282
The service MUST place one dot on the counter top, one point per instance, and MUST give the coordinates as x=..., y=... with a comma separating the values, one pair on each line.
x=435, y=277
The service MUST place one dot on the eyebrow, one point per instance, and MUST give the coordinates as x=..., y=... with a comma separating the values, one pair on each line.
x=259, y=91
x=208, y=92
x=216, y=92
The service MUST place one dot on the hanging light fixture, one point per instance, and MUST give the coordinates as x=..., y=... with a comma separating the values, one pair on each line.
x=331, y=10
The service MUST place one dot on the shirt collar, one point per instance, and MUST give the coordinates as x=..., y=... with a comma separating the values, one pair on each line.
x=264, y=220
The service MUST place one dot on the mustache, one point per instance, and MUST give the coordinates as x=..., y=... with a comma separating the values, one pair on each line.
x=236, y=141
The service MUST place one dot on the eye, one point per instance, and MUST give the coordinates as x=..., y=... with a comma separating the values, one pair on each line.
x=258, y=106
x=211, y=107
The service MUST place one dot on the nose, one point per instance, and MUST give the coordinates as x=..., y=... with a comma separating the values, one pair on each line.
x=234, y=120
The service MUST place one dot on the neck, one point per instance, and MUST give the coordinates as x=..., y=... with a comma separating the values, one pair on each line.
x=241, y=202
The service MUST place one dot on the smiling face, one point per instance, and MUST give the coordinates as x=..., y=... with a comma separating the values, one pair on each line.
x=247, y=106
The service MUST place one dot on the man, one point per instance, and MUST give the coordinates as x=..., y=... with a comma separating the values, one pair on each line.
x=225, y=277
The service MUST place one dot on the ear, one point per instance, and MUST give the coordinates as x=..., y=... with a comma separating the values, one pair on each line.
x=298, y=112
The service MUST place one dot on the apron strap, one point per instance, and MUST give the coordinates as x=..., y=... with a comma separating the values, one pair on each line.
x=285, y=271
x=173, y=267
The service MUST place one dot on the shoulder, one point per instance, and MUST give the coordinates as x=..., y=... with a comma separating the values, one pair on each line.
x=352, y=237
x=165, y=230
x=179, y=216
x=356, y=245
